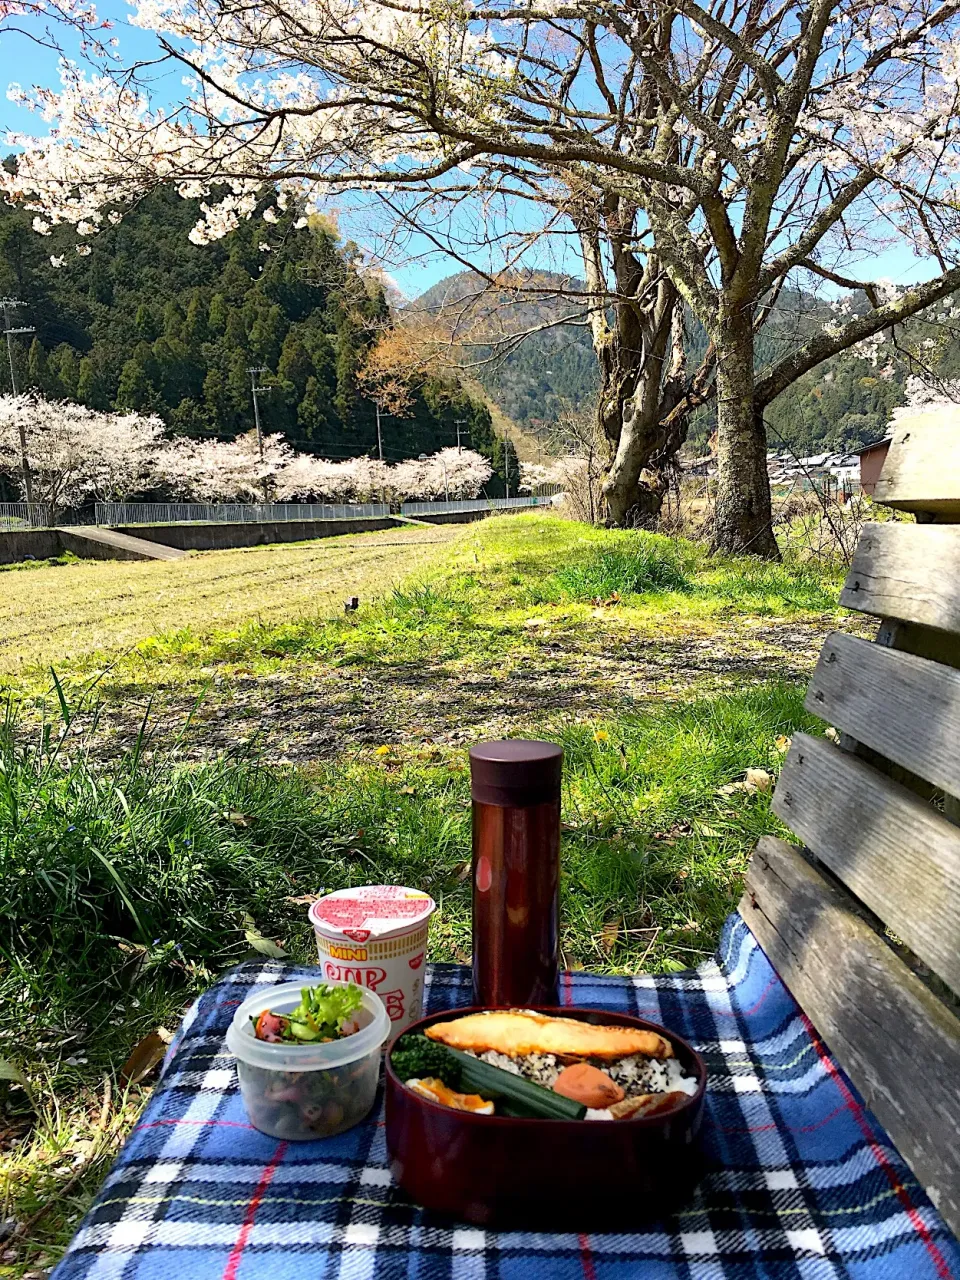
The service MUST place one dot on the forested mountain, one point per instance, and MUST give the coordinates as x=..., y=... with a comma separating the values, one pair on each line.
x=141, y=318
x=844, y=403
x=553, y=367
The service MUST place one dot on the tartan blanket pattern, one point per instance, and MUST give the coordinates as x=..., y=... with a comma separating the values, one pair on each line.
x=803, y=1183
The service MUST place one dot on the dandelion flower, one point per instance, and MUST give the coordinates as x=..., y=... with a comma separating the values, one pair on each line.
x=601, y=735
x=383, y=751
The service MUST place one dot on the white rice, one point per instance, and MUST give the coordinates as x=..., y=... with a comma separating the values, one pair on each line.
x=636, y=1075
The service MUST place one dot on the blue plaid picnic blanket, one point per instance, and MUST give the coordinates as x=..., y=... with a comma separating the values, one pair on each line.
x=802, y=1183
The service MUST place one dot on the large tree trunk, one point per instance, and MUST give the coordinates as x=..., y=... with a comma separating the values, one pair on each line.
x=638, y=340
x=634, y=490
x=743, y=516
x=644, y=443
x=641, y=362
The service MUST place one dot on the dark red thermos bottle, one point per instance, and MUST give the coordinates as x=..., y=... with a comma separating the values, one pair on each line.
x=515, y=787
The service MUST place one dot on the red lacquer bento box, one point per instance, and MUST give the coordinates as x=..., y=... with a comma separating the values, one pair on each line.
x=571, y=1174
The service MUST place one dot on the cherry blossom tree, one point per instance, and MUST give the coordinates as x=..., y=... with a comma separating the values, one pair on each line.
x=42, y=20
x=306, y=478
x=927, y=391
x=453, y=472
x=703, y=153
x=450, y=473
x=71, y=453
x=219, y=470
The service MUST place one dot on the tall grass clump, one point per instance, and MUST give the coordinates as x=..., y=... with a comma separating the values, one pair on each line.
x=766, y=587
x=141, y=865
x=631, y=564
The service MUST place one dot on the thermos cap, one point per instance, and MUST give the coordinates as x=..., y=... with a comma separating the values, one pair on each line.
x=515, y=772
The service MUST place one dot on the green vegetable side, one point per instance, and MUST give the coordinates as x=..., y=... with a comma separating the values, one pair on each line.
x=416, y=1058
x=324, y=1013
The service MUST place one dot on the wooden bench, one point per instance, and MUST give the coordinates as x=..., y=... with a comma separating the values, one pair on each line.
x=863, y=925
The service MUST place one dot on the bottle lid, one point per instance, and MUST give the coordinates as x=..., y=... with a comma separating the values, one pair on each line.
x=515, y=772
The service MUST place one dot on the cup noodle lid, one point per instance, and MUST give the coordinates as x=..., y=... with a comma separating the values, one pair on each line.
x=373, y=911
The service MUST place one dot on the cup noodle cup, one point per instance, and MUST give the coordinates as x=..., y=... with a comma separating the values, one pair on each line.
x=376, y=936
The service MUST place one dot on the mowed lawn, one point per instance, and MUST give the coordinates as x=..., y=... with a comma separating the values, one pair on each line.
x=62, y=612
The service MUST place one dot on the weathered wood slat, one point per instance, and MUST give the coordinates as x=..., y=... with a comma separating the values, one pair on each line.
x=922, y=469
x=909, y=571
x=899, y=1044
x=938, y=646
x=906, y=708
x=895, y=852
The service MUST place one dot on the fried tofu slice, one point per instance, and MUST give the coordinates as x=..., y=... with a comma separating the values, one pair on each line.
x=516, y=1032
x=647, y=1104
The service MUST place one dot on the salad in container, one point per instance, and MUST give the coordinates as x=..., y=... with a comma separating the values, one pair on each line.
x=308, y=1057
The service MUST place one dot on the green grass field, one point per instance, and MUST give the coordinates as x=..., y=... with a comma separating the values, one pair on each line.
x=141, y=855
x=57, y=613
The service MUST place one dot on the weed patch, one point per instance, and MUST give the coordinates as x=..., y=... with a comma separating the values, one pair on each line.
x=641, y=563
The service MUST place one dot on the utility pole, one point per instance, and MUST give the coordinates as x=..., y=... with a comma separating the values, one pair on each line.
x=506, y=463
x=376, y=405
x=257, y=391
x=458, y=423
x=446, y=479
x=9, y=305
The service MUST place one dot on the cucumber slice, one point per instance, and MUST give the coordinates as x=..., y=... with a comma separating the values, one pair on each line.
x=303, y=1032
x=523, y=1097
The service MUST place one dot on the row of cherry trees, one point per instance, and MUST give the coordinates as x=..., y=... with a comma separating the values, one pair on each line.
x=66, y=454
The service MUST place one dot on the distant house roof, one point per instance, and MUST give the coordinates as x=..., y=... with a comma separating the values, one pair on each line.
x=877, y=444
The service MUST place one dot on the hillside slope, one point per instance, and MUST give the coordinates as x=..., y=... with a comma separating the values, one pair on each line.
x=140, y=318
x=844, y=403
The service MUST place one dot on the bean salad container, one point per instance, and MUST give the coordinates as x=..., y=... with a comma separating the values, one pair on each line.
x=311, y=1090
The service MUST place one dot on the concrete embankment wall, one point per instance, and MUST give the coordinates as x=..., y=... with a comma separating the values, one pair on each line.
x=93, y=542
x=29, y=544
x=463, y=517
x=219, y=537
x=44, y=544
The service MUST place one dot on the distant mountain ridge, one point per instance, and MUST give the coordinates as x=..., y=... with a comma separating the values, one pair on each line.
x=554, y=367
x=841, y=405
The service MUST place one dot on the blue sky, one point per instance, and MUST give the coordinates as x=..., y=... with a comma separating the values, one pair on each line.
x=26, y=62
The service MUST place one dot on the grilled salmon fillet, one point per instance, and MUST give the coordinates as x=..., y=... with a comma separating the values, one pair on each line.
x=516, y=1032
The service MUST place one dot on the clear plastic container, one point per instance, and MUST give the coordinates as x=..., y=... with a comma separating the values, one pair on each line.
x=307, y=1091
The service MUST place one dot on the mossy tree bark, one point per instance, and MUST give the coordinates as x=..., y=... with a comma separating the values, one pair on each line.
x=743, y=517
